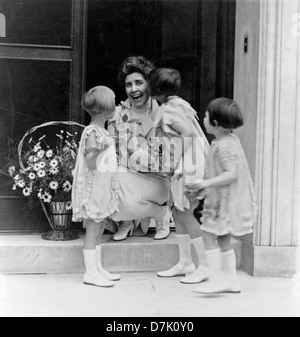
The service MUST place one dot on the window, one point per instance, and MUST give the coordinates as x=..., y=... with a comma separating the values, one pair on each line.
x=37, y=22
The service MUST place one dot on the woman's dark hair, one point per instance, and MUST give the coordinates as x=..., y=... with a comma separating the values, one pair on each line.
x=226, y=113
x=135, y=64
x=164, y=81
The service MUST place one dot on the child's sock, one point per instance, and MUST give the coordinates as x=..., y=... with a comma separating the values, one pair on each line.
x=101, y=270
x=229, y=268
x=92, y=276
x=219, y=280
x=201, y=274
x=185, y=265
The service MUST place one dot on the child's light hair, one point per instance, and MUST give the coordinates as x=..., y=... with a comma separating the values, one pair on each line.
x=99, y=100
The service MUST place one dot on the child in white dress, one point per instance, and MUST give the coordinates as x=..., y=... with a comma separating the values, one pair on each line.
x=184, y=148
x=101, y=189
x=229, y=208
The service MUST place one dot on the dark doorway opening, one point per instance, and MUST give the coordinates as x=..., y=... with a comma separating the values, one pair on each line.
x=194, y=36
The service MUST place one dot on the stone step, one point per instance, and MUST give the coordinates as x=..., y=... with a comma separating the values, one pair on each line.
x=30, y=254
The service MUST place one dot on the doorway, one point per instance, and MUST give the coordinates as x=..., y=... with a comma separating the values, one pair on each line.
x=194, y=36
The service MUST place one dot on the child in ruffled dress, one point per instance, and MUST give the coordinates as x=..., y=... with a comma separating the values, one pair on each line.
x=102, y=189
x=229, y=208
x=184, y=149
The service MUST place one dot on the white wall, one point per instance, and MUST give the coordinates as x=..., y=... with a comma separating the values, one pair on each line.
x=246, y=74
x=267, y=88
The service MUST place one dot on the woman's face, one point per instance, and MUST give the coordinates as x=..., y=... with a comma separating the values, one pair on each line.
x=137, y=90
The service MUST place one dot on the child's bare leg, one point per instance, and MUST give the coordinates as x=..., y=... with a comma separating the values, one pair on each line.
x=92, y=276
x=210, y=241
x=94, y=232
x=186, y=223
x=225, y=243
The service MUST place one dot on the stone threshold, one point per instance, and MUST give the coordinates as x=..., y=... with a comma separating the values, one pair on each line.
x=30, y=254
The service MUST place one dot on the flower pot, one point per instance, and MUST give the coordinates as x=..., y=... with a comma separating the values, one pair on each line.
x=60, y=219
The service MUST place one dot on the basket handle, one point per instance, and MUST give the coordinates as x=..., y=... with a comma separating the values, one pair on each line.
x=20, y=146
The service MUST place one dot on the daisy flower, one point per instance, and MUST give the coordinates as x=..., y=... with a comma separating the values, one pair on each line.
x=49, y=154
x=53, y=185
x=36, y=167
x=54, y=171
x=27, y=191
x=14, y=187
x=21, y=183
x=37, y=148
x=41, y=174
x=47, y=198
x=42, y=165
x=31, y=176
x=41, y=154
x=53, y=163
x=11, y=170
x=67, y=186
x=17, y=177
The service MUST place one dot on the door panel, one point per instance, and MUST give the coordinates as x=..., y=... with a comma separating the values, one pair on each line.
x=41, y=71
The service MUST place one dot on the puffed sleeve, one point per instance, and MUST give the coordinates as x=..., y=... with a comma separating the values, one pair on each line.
x=227, y=152
x=167, y=119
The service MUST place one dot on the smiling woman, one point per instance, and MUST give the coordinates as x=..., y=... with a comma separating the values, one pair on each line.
x=136, y=118
x=137, y=89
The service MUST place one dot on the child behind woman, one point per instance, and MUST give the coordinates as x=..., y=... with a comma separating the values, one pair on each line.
x=229, y=207
x=177, y=122
x=101, y=190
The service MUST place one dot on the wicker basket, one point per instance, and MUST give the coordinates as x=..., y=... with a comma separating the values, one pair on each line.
x=60, y=220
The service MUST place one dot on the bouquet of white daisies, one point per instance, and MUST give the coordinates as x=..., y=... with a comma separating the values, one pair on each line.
x=45, y=172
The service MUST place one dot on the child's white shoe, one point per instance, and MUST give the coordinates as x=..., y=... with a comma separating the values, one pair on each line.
x=223, y=274
x=97, y=280
x=92, y=276
x=200, y=275
x=217, y=287
x=109, y=276
x=177, y=270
